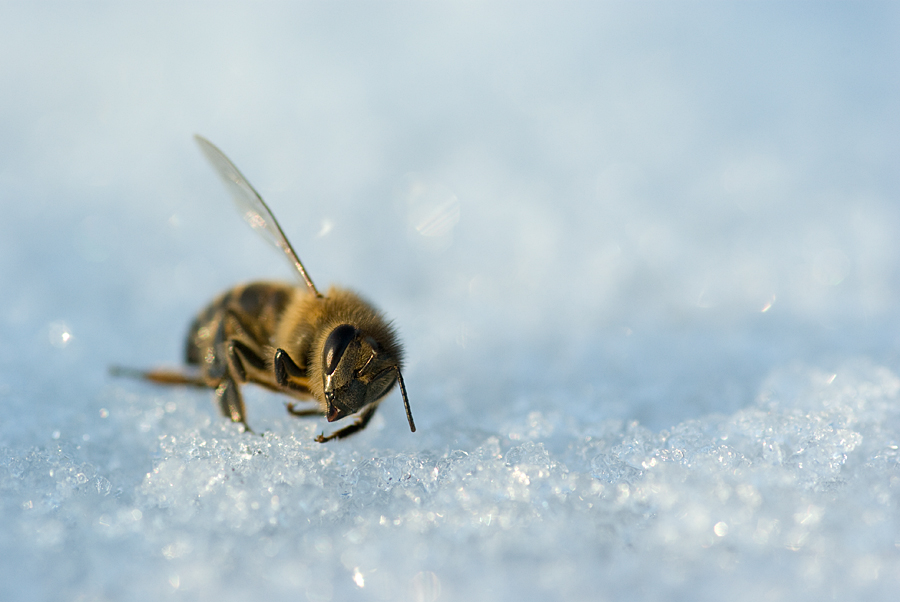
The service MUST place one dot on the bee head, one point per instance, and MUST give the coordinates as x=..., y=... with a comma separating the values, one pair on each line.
x=357, y=371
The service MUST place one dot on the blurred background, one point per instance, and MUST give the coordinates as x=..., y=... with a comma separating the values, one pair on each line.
x=644, y=206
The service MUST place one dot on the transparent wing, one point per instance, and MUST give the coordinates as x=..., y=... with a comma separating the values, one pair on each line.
x=251, y=206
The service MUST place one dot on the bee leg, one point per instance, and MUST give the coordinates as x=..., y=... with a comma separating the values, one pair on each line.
x=291, y=408
x=231, y=403
x=238, y=353
x=359, y=424
x=165, y=377
x=287, y=373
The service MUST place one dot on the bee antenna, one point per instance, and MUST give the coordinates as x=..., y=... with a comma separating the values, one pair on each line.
x=412, y=424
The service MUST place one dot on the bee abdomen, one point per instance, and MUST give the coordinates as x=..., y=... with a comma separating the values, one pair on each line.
x=264, y=300
x=191, y=350
x=199, y=332
x=259, y=305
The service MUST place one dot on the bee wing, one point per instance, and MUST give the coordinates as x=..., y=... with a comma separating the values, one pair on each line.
x=251, y=206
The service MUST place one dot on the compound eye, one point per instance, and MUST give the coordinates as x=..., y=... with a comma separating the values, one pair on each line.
x=336, y=344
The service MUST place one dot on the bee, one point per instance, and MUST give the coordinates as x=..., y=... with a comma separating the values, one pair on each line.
x=335, y=349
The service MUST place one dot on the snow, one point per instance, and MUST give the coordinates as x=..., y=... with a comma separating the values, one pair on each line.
x=644, y=260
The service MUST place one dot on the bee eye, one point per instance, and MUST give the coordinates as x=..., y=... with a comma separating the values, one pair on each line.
x=336, y=344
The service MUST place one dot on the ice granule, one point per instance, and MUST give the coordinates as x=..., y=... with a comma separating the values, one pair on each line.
x=793, y=497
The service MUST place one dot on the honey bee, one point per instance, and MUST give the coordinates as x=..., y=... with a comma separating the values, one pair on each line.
x=334, y=349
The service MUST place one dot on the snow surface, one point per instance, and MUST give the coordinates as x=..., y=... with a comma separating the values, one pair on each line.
x=644, y=259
